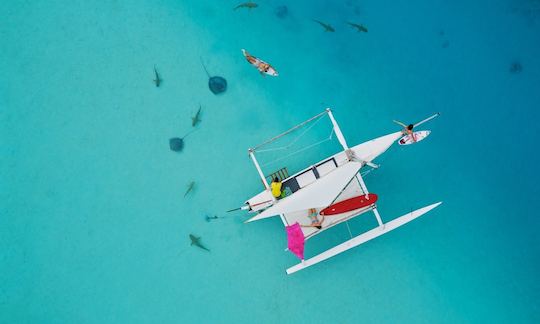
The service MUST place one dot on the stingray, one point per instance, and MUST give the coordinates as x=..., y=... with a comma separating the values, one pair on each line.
x=281, y=12
x=516, y=67
x=216, y=83
x=176, y=144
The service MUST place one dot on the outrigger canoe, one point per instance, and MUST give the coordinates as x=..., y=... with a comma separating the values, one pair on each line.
x=335, y=186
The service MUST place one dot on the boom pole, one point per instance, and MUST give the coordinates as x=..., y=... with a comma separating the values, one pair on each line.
x=427, y=119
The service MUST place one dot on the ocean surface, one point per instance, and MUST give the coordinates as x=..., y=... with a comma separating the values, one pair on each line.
x=94, y=225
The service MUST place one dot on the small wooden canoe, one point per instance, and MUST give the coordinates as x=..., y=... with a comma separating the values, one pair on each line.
x=271, y=71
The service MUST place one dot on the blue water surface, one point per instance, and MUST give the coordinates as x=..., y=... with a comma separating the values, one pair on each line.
x=94, y=224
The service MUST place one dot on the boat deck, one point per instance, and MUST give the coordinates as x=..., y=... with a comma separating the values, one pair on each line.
x=366, y=151
x=353, y=189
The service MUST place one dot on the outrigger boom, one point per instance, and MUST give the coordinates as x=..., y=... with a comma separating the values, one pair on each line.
x=330, y=182
x=362, y=238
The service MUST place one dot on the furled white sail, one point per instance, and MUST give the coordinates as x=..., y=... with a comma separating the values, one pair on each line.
x=369, y=150
x=319, y=194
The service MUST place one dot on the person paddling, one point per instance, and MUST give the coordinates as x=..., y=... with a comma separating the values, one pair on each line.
x=407, y=130
x=263, y=67
x=251, y=59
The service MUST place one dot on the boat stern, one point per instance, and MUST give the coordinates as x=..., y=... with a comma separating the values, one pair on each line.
x=261, y=201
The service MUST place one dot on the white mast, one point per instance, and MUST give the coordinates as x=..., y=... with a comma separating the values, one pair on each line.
x=259, y=170
x=339, y=134
x=378, y=216
x=349, y=152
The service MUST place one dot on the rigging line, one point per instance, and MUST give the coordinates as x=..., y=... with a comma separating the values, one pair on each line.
x=347, y=222
x=290, y=130
x=301, y=150
x=305, y=131
x=282, y=148
x=357, y=180
x=296, y=152
x=329, y=138
x=293, y=141
x=342, y=190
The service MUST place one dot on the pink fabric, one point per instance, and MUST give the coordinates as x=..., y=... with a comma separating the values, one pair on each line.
x=296, y=240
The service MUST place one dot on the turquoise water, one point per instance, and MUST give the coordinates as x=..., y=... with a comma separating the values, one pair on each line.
x=93, y=223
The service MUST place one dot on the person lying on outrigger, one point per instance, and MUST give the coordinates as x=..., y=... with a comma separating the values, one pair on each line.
x=262, y=67
x=315, y=222
x=407, y=130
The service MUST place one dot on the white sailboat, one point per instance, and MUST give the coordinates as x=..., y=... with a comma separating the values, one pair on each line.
x=333, y=181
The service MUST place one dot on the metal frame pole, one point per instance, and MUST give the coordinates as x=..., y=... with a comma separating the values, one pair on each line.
x=378, y=216
x=258, y=167
x=339, y=134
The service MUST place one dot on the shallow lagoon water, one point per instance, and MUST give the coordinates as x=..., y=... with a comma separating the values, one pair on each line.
x=94, y=227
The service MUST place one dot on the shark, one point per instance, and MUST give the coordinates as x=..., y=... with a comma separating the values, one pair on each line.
x=249, y=5
x=327, y=27
x=190, y=188
x=196, y=119
x=197, y=242
x=209, y=218
x=359, y=27
x=157, y=80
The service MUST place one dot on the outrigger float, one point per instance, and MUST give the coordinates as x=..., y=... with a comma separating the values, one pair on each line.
x=334, y=187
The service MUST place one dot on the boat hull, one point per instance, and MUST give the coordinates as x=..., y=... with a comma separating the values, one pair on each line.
x=407, y=139
x=271, y=71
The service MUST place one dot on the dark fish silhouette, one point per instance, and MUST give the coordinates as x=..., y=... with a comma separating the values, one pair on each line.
x=516, y=67
x=327, y=27
x=197, y=242
x=249, y=5
x=359, y=28
x=157, y=80
x=190, y=188
x=209, y=218
x=216, y=83
x=176, y=144
x=196, y=119
x=281, y=11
